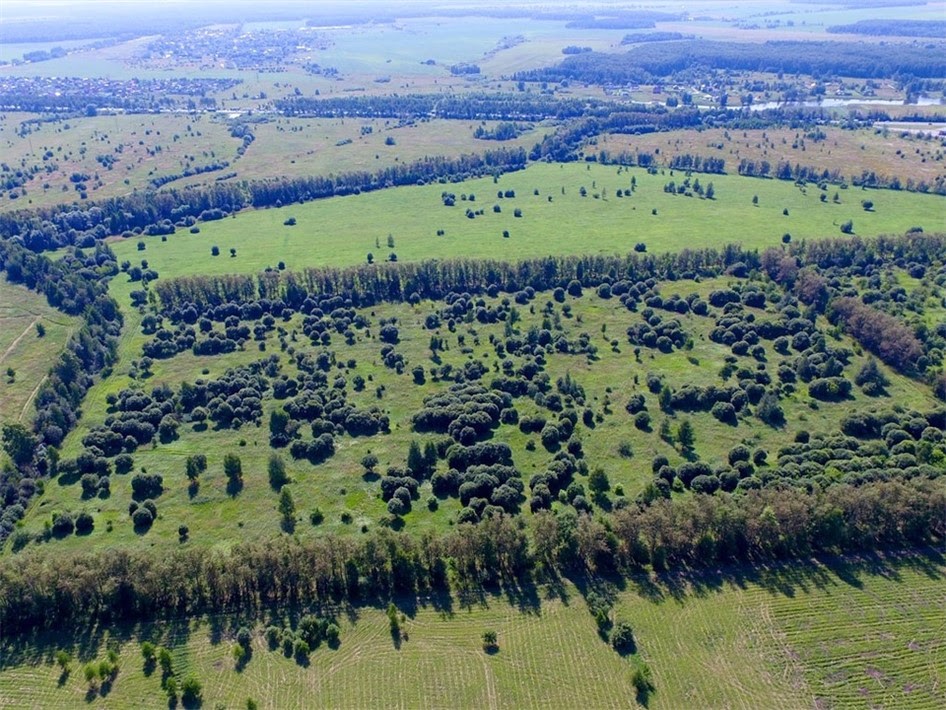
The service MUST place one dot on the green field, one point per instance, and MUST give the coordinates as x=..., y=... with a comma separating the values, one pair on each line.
x=886, y=152
x=342, y=231
x=22, y=349
x=845, y=634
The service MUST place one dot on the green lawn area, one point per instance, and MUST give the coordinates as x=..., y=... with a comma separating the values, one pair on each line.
x=342, y=231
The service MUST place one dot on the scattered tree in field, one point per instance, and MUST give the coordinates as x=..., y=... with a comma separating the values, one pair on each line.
x=394, y=624
x=685, y=435
x=191, y=690
x=287, y=509
x=64, y=661
x=769, y=410
x=490, y=641
x=871, y=380
x=232, y=467
x=195, y=465
x=622, y=638
x=598, y=482
x=277, y=472
x=148, y=651
x=369, y=461
x=233, y=470
x=643, y=682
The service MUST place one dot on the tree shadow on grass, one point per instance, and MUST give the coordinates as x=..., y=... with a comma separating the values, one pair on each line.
x=234, y=486
x=787, y=578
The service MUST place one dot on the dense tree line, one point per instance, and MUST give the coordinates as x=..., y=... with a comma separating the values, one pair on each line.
x=480, y=107
x=639, y=37
x=636, y=20
x=656, y=60
x=64, y=225
x=44, y=590
x=935, y=29
x=663, y=59
x=369, y=284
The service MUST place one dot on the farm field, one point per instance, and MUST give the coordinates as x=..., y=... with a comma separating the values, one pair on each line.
x=343, y=231
x=21, y=348
x=886, y=152
x=784, y=637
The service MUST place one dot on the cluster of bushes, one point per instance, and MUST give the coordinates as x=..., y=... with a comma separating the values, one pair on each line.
x=466, y=411
x=871, y=447
x=309, y=633
x=655, y=332
x=556, y=483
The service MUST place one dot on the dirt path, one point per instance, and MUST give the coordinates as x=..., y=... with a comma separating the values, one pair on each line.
x=17, y=341
x=31, y=398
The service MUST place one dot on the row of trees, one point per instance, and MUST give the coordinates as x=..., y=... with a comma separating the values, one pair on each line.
x=475, y=106
x=43, y=590
x=366, y=285
x=63, y=225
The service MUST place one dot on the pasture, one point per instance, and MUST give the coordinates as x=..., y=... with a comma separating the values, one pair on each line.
x=120, y=153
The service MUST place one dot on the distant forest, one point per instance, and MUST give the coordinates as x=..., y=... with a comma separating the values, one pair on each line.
x=894, y=28
x=662, y=59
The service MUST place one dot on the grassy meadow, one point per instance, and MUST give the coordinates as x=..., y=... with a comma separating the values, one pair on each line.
x=558, y=220
x=22, y=349
x=157, y=146
x=888, y=153
x=835, y=634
